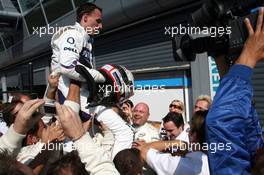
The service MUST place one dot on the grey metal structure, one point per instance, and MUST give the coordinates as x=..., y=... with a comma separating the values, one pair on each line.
x=200, y=76
x=142, y=35
x=116, y=14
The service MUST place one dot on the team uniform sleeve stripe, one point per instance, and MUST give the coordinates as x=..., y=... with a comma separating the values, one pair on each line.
x=74, y=63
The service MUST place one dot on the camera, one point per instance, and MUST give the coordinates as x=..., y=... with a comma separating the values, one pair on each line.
x=48, y=108
x=218, y=13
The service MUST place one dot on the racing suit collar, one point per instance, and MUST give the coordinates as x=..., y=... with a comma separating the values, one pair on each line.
x=78, y=25
x=81, y=29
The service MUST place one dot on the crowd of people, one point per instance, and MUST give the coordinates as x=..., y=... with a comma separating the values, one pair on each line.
x=98, y=130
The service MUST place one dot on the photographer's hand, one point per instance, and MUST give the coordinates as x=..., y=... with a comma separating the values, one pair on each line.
x=253, y=50
x=51, y=133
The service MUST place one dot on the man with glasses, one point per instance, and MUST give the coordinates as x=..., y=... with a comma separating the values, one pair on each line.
x=72, y=45
x=176, y=106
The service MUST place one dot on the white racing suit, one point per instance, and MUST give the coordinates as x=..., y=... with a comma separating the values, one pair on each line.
x=69, y=45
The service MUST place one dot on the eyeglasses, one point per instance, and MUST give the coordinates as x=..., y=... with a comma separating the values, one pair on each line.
x=175, y=106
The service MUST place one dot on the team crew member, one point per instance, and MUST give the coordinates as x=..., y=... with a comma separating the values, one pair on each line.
x=143, y=130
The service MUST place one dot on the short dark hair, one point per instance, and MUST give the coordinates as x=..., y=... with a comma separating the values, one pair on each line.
x=175, y=117
x=69, y=162
x=86, y=8
x=7, y=114
x=128, y=162
x=198, y=125
x=8, y=107
x=129, y=103
x=8, y=164
x=121, y=113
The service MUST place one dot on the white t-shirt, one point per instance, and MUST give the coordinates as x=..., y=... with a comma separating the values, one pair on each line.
x=184, y=136
x=194, y=163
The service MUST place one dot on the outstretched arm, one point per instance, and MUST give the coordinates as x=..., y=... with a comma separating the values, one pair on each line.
x=94, y=157
x=159, y=146
x=25, y=120
x=232, y=120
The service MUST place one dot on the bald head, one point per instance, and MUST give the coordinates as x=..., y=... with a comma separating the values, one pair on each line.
x=140, y=114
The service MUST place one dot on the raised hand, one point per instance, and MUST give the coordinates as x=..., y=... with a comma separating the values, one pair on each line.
x=253, y=50
x=27, y=116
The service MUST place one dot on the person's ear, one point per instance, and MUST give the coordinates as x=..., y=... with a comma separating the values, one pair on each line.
x=181, y=128
x=85, y=18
